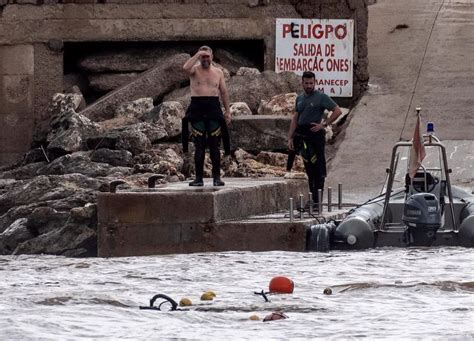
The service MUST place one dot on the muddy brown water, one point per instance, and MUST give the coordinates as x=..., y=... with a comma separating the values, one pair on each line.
x=387, y=293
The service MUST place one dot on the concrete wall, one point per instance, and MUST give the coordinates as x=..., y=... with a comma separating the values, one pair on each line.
x=16, y=100
x=32, y=34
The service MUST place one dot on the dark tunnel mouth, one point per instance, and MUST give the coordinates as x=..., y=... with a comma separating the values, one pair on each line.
x=252, y=50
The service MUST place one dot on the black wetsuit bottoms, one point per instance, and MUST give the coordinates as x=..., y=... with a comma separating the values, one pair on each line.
x=311, y=147
x=206, y=132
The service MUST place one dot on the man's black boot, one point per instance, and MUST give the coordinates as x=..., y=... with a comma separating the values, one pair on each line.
x=197, y=182
x=218, y=181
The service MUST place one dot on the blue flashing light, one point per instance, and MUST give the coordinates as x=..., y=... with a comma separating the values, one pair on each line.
x=430, y=128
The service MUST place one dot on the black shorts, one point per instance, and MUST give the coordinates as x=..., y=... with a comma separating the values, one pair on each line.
x=204, y=108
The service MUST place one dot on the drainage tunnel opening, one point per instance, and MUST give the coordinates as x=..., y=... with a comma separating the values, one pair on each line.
x=100, y=67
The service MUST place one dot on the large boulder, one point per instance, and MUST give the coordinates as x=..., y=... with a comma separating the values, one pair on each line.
x=253, y=168
x=15, y=234
x=260, y=132
x=240, y=155
x=81, y=163
x=169, y=118
x=120, y=158
x=61, y=104
x=162, y=159
x=46, y=188
x=224, y=71
x=44, y=219
x=232, y=60
x=125, y=60
x=105, y=82
x=182, y=95
x=71, y=240
x=57, y=193
x=247, y=71
x=282, y=104
x=252, y=89
x=23, y=172
x=128, y=113
x=162, y=122
x=134, y=138
x=279, y=160
x=70, y=233
x=137, y=108
x=69, y=133
x=153, y=132
x=155, y=83
x=240, y=109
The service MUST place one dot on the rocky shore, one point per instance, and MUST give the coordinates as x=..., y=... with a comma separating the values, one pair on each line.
x=48, y=201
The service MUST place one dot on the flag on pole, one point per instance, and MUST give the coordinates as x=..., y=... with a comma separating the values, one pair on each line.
x=417, y=152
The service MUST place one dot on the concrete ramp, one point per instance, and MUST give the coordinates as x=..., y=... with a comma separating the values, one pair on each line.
x=420, y=54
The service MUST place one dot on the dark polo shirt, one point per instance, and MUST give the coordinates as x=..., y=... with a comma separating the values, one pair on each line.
x=311, y=108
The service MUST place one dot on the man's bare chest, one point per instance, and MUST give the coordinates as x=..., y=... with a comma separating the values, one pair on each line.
x=205, y=80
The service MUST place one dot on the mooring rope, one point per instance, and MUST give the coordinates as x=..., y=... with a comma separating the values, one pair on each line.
x=419, y=70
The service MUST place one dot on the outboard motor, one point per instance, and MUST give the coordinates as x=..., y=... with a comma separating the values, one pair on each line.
x=422, y=215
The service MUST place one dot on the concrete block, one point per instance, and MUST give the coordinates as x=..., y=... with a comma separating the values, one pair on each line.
x=178, y=219
x=16, y=60
x=115, y=240
x=48, y=79
x=156, y=207
x=260, y=132
x=260, y=235
x=178, y=203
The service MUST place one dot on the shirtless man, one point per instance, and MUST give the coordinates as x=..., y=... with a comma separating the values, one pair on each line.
x=208, y=122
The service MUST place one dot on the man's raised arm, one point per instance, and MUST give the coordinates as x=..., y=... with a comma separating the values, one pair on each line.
x=189, y=65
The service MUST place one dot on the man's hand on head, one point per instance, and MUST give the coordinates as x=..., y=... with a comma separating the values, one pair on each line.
x=201, y=53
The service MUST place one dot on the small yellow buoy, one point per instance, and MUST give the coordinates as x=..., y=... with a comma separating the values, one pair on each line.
x=254, y=318
x=327, y=291
x=212, y=293
x=185, y=302
x=207, y=296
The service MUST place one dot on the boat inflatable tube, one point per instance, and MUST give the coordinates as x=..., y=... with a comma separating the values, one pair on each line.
x=358, y=228
x=357, y=233
x=466, y=230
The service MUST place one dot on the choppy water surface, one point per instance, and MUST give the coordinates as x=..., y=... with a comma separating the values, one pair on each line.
x=382, y=294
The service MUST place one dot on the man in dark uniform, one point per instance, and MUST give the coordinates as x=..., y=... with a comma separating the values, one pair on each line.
x=209, y=123
x=307, y=131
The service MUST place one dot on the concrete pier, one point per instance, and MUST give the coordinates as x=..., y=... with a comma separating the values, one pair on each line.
x=177, y=218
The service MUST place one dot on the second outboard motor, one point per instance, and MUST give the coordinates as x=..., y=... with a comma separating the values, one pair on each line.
x=422, y=215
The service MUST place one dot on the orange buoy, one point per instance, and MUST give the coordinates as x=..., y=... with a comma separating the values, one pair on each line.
x=281, y=285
